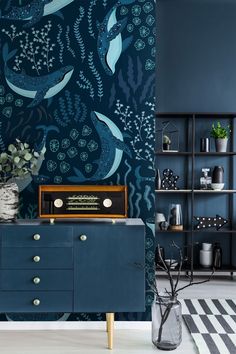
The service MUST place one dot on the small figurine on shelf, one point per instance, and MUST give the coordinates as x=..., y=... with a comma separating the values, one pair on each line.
x=169, y=180
x=205, y=180
x=166, y=143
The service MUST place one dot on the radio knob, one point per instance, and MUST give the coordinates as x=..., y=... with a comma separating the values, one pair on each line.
x=36, y=259
x=107, y=203
x=83, y=238
x=36, y=280
x=36, y=302
x=36, y=237
x=58, y=203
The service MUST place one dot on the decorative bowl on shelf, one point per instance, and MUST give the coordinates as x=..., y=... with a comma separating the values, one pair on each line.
x=172, y=263
x=217, y=186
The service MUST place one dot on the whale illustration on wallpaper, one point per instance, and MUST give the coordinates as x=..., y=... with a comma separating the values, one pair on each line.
x=110, y=44
x=40, y=149
x=34, y=11
x=112, y=148
x=38, y=88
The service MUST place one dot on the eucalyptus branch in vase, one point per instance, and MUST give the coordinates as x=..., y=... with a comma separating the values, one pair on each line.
x=17, y=161
x=168, y=300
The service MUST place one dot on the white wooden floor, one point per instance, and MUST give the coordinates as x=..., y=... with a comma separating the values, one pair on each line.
x=90, y=341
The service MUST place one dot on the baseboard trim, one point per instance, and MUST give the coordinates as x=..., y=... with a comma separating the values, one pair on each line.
x=67, y=325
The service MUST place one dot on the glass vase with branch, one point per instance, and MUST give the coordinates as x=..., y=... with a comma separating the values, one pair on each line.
x=166, y=309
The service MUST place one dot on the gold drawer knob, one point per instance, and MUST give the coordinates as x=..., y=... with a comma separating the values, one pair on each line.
x=36, y=237
x=36, y=280
x=83, y=238
x=36, y=302
x=36, y=259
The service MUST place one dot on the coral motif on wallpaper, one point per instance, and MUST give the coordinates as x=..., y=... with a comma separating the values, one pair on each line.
x=78, y=84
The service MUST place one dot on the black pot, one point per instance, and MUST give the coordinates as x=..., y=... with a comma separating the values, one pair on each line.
x=166, y=146
x=218, y=174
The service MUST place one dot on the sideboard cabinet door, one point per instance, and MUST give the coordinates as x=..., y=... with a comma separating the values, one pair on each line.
x=109, y=268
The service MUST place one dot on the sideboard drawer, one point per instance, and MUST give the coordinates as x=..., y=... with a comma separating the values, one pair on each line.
x=38, y=301
x=36, y=280
x=37, y=236
x=41, y=258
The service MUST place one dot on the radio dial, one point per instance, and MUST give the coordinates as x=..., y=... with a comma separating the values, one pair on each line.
x=58, y=203
x=107, y=203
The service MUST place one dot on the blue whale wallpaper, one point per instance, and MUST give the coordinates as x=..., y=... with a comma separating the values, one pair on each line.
x=77, y=82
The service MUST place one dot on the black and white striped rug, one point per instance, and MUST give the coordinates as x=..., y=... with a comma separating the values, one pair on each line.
x=212, y=324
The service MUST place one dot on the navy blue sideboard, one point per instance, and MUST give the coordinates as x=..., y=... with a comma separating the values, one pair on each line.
x=73, y=266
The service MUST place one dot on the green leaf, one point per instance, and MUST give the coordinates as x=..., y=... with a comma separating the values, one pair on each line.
x=11, y=148
x=28, y=156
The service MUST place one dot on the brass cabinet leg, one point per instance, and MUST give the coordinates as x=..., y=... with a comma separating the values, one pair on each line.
x=110, y=329
x=107, y=322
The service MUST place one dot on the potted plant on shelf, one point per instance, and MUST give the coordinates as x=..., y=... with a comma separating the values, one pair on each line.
x=221, y=135
x=166, y=309
x=15, y=163
x=166, y=142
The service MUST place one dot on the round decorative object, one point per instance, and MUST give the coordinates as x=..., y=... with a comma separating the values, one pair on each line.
x=107, y=203
x=9, y=201
x=36, y=259
x=58, y=203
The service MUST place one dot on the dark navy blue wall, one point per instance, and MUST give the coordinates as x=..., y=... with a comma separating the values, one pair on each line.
x=196, y=55
x=99, y=127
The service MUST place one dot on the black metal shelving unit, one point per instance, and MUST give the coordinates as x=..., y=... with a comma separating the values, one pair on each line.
x=191, y=192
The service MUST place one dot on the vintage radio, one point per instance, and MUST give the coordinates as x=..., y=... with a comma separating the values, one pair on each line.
x=82, y=201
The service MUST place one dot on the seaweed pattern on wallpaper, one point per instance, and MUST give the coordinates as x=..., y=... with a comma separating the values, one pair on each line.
x=117, y=179
x=127, y=172
x=123, y=85
x=61, y=45
x=146, y=196
x=90, y=17
x=96, y=75
x=70, y=108
x=86, y=85
x=133, y=80
x=131, y=194
x=104, y=2
x=8, y=5
x=31, y=212
x=112, y=95
x=150, y=83
x=137, y=204
x=78, y=34
x=68, y=46
x=2, y=144
x=131, y=74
